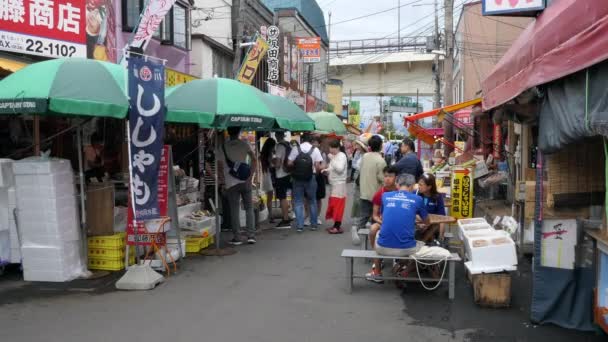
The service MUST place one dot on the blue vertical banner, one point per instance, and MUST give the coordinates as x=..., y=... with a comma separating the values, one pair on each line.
x=146, y=123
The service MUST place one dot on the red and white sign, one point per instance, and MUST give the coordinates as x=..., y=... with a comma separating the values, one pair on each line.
x=145, y=237
x=310, y=49
x=512, y=7
x=49, y=28
x=462, y=118
x=150, y=20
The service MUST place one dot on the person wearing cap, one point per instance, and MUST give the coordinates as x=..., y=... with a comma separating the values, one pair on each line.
x=409, y=162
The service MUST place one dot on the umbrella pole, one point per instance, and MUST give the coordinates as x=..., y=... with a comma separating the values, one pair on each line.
x=218, y=228
x=83, y=217
x=36, y=135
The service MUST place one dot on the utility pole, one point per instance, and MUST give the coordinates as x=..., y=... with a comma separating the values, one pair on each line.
x=448, y=64
x=399, y=25
x=436, y=77
x=239, y=37
x=328, y=49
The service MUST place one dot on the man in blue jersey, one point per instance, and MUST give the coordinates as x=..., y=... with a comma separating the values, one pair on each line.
x=398, y=223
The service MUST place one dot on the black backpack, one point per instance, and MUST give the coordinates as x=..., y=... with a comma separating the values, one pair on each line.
x=302, y=166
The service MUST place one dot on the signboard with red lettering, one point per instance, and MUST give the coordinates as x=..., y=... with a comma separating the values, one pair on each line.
x=512, y=7
x=146, y=236
x=310, y=49
x=49, y=28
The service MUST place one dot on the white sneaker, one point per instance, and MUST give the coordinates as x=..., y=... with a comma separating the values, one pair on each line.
x=307, y=222
x=355, y=235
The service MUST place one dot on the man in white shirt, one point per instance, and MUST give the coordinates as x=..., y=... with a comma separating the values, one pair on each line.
x=238, y=151
x=305, y=162
x=283, y=182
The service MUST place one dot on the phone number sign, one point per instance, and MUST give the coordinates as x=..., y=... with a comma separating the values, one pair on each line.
x=49, y=28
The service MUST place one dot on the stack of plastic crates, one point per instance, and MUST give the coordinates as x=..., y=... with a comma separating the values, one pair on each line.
x=195, y=244
x=108, y=252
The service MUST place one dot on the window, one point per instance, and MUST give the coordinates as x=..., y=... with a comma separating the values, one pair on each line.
x=180, y=26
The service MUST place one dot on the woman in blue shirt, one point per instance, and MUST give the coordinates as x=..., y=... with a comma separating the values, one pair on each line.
x=433, y=202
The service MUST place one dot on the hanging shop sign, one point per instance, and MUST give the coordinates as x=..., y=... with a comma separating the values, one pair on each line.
x=310, y=49
x=252, y=60
x=497, y=141
x=150, y=20
x=146, y=123
x=144, y=236
x=462, y=194
x=273, y=53
x=274, y=89
x=523, y=8
x=48, y=28
x=174, y=77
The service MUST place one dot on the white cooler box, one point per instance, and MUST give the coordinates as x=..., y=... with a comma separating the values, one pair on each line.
x=474, y=225
x=490, y=253
x=206, y=223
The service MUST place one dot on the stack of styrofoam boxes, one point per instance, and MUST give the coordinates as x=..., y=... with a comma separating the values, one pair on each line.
x=487, y=250
x=47, y=220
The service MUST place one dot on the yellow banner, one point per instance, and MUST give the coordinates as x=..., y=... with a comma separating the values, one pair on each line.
x=174, y=77
x=252, y=60
x=462, y=194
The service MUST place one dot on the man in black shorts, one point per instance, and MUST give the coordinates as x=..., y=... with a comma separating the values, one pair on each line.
x=283, y=182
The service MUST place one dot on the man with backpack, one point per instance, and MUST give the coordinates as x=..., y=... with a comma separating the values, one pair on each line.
x=305, y=161
x=238, y=173
x=283, y=182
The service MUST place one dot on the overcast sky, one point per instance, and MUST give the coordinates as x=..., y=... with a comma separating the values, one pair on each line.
x=417, y=18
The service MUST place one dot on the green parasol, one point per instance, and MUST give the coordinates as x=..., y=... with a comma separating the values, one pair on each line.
x=218, y=103
x=288, y=115
x=68, y=86
x=328, y=123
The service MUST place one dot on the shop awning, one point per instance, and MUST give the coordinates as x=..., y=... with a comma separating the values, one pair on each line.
x=10, y=66
x=447, y=109
x=567, y=37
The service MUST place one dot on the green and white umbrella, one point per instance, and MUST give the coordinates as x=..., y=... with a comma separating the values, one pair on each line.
x=68, y=86
x=288, y=115
x=328, y=123
x=218, y=103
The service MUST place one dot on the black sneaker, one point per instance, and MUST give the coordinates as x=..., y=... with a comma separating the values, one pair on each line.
x=251, y=241
x=235, y=242
x=284, y=224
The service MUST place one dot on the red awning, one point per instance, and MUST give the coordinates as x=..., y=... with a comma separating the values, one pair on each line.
x=569, y=36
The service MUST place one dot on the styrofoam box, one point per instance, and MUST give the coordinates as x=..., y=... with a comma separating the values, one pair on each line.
x=12, y=198
x=7, y=178
x=50, y=276
x=52, y=209
x=467, y=226
x=46, y=185
x=185, y=210
x=4, y=209
x=197, y=225
x=38, y=165
x=13, y=234
x=5, y=247
x=493, y=257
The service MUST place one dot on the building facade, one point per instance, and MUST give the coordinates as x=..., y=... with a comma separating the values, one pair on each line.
x=479, y=44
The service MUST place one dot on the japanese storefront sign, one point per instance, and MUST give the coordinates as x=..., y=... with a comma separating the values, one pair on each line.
x=310, y=49
x=150, y=20
x=274, y=89
x=49, y=28
x=144, y=236
x=59, y=28
x=497, y=142
x=146, y=123
x=462, y=194
x=273, y=53
x=252, y=60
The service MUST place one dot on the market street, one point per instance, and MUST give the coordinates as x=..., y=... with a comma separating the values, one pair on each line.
x=288, y=287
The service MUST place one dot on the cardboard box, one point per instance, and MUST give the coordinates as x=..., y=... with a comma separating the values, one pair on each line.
x=557, y=213
x=100, y=209
x=531, y=191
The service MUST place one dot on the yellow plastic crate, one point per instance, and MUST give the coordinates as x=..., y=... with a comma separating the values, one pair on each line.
x=117, y=240
x=109, y=253
x=109, y=265
x=194, y=244
x=207, y=241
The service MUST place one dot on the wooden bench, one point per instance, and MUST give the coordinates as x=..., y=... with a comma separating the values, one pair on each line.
x=351, y=254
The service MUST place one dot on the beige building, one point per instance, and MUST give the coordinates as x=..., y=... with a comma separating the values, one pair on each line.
x=479, y=44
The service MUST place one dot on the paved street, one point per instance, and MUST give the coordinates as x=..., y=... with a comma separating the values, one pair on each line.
x=288, y=287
